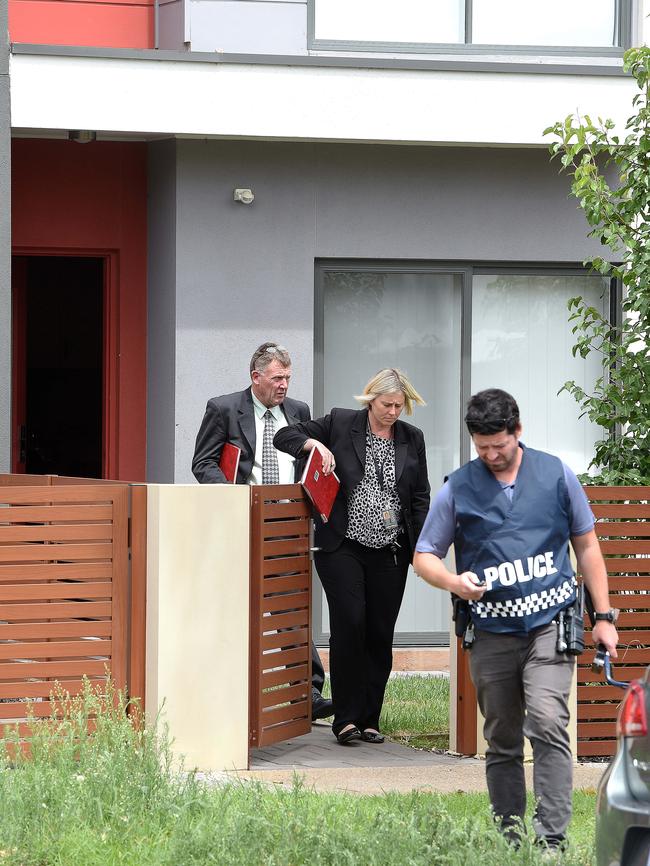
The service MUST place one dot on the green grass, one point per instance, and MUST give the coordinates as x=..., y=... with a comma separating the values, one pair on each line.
x=113, y=799
x=415, y=711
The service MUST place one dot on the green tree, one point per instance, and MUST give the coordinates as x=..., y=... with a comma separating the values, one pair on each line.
x=610, y=177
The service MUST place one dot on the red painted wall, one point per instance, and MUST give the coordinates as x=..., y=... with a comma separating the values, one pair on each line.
x=101, y=23
x=69, y=197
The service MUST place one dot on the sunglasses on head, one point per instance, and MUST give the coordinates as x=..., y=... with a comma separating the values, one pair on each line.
x=489, y=425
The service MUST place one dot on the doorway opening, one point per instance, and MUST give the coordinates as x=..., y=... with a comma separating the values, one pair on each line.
x=59, y=365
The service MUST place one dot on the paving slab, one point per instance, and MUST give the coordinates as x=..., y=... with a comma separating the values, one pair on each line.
x=362, y=768
x=319, y=749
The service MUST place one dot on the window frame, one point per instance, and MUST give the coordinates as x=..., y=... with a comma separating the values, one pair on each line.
x=624, y=15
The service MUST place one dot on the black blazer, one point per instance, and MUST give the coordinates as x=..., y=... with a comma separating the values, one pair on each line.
x=343, y=431
x=231, y=418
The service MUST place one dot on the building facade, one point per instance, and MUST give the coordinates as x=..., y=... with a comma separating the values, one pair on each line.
x=404, y=213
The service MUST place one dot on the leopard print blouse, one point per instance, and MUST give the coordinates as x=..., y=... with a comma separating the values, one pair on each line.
x=367, y=501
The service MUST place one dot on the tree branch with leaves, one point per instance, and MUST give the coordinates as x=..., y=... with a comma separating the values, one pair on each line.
x=610, y=177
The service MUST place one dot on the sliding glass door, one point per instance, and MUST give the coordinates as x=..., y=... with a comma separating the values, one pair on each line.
x=373, y=319
x=522, y=342
x=455, y=331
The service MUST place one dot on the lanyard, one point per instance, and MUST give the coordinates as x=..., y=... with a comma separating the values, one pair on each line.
x=379, y=467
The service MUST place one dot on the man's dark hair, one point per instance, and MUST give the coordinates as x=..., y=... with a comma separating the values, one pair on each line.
x=492, y=411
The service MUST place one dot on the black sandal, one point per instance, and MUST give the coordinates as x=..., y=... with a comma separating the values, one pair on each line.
x=372, y=737
x=349, y=734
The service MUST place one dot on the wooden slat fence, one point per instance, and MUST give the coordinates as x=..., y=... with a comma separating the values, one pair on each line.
x=72, y=583
x=623, y=528
x=280, y=620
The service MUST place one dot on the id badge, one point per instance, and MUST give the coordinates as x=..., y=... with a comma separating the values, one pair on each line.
x=390, y=518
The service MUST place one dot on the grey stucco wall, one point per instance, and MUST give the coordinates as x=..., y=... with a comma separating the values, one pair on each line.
x=161, y=311
x=5, y=244
x=246, y=273
x=170, y=24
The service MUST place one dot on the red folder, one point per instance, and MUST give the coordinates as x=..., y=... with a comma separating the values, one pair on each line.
x=229, y=462
x=321, y=489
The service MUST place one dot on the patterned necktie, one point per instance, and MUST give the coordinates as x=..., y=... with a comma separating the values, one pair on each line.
x=270, y=469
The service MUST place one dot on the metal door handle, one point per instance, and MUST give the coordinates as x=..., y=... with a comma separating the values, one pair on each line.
x=312, y=550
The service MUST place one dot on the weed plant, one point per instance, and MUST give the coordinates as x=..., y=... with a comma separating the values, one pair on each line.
x=92, y=776
x=112, y=797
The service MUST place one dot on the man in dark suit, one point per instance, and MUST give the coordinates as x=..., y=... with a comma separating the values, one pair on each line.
x=249, y=420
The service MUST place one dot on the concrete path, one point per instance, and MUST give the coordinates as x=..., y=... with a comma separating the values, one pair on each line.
x=362, y=768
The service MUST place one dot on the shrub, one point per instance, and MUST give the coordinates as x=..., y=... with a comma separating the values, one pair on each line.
x=610, y=177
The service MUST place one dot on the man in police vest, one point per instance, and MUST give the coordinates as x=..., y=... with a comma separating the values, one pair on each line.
x=510, y=515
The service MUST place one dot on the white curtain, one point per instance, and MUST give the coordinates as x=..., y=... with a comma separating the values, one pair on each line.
x=522, y=341
x=551, y=23
x=388, y=21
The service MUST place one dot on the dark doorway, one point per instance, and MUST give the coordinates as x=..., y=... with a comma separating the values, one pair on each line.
x=59, y=302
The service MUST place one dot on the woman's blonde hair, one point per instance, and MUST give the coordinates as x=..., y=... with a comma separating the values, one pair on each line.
x=389, y=381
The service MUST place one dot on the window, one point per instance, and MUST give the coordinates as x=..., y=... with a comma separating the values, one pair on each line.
x=527, y=351
x=589, y=23
x=381, y=318
x=374, y=318
x=388, y=21
x=456, y=330
x=587, y=26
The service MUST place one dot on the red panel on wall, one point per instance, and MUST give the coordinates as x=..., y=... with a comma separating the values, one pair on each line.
x=100, y=23
x=76, y=199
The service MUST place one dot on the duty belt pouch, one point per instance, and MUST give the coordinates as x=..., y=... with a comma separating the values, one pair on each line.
x=574, y=624
x=460, y=615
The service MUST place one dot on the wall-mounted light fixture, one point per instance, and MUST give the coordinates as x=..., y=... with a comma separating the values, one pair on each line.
x=82, y=136
x=245, y=196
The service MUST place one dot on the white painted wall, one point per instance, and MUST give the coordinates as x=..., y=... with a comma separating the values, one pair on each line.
x=304, y=103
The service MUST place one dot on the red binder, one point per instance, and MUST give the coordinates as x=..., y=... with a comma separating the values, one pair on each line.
x=321, y=489
x=229, y=462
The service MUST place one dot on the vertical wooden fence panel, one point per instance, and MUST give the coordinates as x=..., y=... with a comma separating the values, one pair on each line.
x=69, y=552
x=623, y=528
x=280, y=621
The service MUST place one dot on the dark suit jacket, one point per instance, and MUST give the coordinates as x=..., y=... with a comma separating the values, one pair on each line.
x=343, y=431
x=231, y=418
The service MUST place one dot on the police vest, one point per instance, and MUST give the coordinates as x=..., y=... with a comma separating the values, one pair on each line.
x=519, y=548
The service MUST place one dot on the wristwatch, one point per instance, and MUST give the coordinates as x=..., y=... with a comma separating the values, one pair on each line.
x=610, y=616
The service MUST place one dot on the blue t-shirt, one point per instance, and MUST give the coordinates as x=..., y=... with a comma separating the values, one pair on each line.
x=439, y=528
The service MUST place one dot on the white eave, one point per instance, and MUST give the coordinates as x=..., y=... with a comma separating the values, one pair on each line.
x=150, y=94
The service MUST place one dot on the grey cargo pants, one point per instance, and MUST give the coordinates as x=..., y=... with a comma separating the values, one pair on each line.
x=523, y=687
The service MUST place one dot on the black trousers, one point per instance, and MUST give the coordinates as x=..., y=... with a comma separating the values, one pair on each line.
x=317, y=670
x=364, y=588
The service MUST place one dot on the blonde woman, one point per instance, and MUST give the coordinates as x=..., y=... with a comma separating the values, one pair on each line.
x=366, y=546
